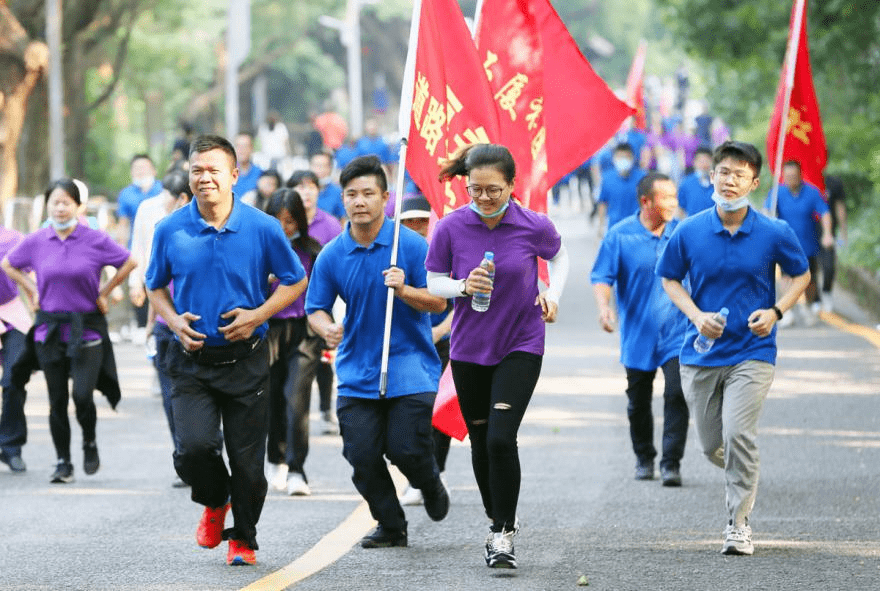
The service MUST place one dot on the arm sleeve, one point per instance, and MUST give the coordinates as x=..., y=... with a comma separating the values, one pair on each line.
x=441, y=284
x=671, y=263
x=439, y=258
x=114, y=254
x=559, y=266
x=283, y=262
x=819, y=204
x=20, y=255
x=158, y=272
x=605, y=267
x=548, y=241
x=789, y=254
x=321, y=293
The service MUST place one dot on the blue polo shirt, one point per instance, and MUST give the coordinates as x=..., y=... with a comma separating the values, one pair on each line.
x=215, y=271
x=693, y=196
x=620, y=193
x=130, y=197
x=375, y=146
x=799, y=211
x=737, y=272
x=247, y=182
x=354, y=273
x=651, y=326
x=330, y=200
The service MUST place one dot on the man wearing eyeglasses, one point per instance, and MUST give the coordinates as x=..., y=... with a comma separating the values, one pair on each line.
x=730, y=253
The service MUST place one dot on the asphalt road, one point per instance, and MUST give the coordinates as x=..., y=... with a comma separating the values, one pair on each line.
x=816, y=523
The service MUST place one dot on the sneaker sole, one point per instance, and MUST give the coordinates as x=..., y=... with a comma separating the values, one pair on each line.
x=502, y=561
x=370, y=545
x=62, y=480
x=239, y=561
x=736, y=551
x=90, y=470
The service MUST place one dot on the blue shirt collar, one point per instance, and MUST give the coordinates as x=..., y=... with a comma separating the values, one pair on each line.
x=384, y=238
x=745, y=228
x=233, y=224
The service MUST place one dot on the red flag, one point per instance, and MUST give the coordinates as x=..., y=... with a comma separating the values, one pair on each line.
x=803, y=140
x=452, y=104
x=554, y=111
x=635, y=91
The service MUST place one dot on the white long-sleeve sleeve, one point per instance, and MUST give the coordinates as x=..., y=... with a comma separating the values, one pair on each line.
x=558, y=267
x=444, y=286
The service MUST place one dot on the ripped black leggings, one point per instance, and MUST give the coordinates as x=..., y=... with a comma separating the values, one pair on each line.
x=493, y=401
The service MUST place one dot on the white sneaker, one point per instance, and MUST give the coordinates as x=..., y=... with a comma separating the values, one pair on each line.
x=499, y=551
x=411, y=496
x=277, y=476
x=738, y=541
x=297, y=485
x=827, y=303
x=329, y=426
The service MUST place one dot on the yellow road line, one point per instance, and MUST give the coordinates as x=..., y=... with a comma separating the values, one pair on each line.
x=328, y=550
x=837, y=321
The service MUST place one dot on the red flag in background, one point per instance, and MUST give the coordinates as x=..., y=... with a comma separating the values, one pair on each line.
x=452, y=104
x=803, y=140
x=554, y=111
x=635, y=88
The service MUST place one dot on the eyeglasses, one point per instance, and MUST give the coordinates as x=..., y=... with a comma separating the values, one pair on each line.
x=492, y=191
x=738, y=177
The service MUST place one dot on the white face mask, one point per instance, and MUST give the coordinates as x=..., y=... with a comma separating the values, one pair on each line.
x=731, y=205
x=145, y=182
x=622, y=165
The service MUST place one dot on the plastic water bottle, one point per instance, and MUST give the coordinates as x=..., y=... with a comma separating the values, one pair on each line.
x=480, y=300
x=702, y=344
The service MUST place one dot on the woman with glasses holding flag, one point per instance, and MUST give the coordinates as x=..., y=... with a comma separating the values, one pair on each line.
x=496, y=355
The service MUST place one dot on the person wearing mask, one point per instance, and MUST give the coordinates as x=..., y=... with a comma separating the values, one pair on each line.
x=70, y=328
x=618, y=194
x=143, y=186
x=250, y=172
x=376, y=424
x=495, y=355
x=651, y=327
x=726, y=385
x=695, y=191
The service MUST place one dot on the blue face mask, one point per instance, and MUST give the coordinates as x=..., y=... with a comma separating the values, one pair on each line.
x=63, y=225
x=500, y=211
x=732, y=205
x=622, y=165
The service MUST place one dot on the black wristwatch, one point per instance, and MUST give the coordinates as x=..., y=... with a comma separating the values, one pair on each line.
x=778, y=312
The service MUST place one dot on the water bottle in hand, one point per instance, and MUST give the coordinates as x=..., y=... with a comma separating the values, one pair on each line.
x=480, y=300
x=702, y=344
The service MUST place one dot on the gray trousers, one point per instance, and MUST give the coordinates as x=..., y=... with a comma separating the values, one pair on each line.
x=726, y=403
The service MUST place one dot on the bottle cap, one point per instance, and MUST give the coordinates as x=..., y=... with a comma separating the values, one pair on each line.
x=724, y=312
x=490, y=256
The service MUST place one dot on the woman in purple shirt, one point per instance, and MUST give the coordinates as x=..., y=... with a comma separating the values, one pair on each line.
x=288, y=404
x=70, y=329
x=496, y=355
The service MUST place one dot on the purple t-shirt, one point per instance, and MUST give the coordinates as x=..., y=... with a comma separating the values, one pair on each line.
x=68, y=271
x=324, y=227
x=9, y=239
x=513, y=321
x=298, y=308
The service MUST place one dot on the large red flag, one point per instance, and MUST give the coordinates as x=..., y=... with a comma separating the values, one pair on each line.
x=452, y=104
x=803, y=140
x=554, y=111
x=635, y=86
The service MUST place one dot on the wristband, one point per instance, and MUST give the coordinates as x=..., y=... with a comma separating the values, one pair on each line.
x=778, y=312
x=464, y=287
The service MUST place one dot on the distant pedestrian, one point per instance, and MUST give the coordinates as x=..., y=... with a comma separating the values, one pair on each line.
x=695, y=191
x=618, y=195
x=836, y=199
x=495, y=355
x=267, y=184
x=330, y=197
x=730, y=254
x=651, y=327
x=249, y=173
x=70, y=328
x=395, y=424
x=219, y=253
x=274, y=139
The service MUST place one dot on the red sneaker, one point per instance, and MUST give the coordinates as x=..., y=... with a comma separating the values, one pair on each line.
x=210, y=531
x=240, y=554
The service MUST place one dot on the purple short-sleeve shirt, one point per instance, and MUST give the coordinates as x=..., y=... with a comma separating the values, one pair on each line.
x=68, y=271
x=513, y=321
x=9, y=239
x=297, y=309
x=324, y=227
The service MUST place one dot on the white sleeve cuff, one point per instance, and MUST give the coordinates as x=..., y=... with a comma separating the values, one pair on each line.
x=444, y=286
x=558, y=267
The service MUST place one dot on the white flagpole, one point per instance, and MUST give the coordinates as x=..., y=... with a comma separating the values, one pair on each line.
x=791, y=64
x=406, y=100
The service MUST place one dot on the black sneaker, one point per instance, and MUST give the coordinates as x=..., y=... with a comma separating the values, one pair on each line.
x=63, y=473
x=499, y=551
x=91, y=462
x=385, y=538
x=437, y=501
x=645, y=470
x=15, y=463
x=670, y=476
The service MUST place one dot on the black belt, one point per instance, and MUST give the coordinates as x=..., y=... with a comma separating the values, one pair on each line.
x=224, y=355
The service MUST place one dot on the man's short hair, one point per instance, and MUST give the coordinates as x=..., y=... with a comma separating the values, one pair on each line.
x=303, y=175
x=364, y=166
x=646, y=185
x=794, y=163
x=625, y=147
x=206, y=143
x=741, y=152
x=142, y=156
x=703, y=150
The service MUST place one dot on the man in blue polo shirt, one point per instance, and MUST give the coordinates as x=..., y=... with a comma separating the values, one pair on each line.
x=695, y=191
x=219, y=254
x=248, y=172
x=800, y=204
x=729, y=254
x=617, y=197
x=330, y=197
x=651, y=327
x=354, y=267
